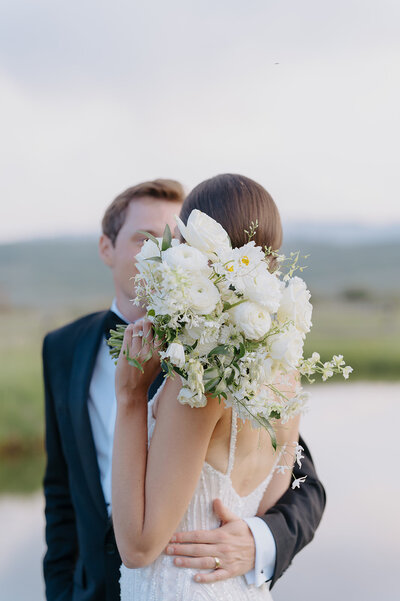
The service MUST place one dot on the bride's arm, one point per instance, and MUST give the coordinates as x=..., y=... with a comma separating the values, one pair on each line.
x=151, y=490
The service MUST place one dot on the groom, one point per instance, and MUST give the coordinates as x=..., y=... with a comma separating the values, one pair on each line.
x=82, y=561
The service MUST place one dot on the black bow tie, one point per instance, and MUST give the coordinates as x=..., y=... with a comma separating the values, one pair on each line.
x=111, y=321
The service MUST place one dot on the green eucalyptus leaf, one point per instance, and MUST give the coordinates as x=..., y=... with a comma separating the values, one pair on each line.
x=135, y=363
x=275, y=414
x=268, y=426
x=157, y=259
x=167, y=238
x=150, y=236
x=210, y=384
x=211, y=373
x=180, y=371
x=221, y=349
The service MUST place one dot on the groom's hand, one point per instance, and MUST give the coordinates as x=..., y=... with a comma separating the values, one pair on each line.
x=232, y=543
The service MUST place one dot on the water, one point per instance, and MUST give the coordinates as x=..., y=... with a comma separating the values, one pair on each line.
x=352, y=430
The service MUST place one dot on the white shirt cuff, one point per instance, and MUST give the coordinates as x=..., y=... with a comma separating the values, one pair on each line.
x=265, y=552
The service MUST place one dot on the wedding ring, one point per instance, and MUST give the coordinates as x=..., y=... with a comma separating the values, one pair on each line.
x=217, y=563
x=136, y=334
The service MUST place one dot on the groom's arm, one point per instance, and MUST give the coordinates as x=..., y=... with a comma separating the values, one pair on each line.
x=61, y=537
x=264, y=552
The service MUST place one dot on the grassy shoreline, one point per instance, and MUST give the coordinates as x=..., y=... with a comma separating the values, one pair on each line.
x=367, y=334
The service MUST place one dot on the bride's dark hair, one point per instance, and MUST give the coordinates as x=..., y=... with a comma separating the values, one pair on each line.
x=235, y=201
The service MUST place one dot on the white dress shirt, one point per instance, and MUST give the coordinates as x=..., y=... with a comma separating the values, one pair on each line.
x=102, y=407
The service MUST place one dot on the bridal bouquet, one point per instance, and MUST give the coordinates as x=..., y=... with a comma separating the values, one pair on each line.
x=228, y=324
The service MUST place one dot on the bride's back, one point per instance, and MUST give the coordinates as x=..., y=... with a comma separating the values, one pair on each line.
x=253, y=458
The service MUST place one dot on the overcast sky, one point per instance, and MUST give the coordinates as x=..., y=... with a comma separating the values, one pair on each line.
x=301, y=95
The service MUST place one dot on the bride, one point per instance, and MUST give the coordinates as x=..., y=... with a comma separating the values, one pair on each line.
x=170, y=461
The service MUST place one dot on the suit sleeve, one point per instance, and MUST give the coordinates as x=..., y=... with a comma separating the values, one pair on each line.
x=61, y=537
x=295, y=517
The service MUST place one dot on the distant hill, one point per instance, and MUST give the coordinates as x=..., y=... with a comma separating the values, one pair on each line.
x=338, y=233
x=68, y=272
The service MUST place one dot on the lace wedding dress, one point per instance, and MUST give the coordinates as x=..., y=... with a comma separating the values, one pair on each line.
x=162, y=580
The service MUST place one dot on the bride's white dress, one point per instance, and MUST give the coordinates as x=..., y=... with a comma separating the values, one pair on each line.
x=162, y=580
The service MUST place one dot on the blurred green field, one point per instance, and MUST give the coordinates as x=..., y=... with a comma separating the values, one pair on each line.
x=367, y=333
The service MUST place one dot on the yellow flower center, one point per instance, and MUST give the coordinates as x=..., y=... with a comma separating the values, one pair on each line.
x=230, y=268
x=245, y=260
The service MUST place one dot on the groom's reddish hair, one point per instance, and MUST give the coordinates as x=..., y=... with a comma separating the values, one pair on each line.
x=160, y=189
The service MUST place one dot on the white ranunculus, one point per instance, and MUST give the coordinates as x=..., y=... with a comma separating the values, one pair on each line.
x=252, y=319
x=203, y=232
x=187, y=257
x=176, y=354
x=295, y=305
x=287, y=347
x=188, y=397
x=264, y=288
x=202, y=295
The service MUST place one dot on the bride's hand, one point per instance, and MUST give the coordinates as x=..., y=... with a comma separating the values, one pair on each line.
x=132, y=384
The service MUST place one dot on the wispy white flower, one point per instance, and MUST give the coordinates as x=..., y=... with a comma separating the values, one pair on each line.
x=298, y=453
x=296, y=483
x=280, y=469
x=327, y=371
x=337, y=360
x=347, y=371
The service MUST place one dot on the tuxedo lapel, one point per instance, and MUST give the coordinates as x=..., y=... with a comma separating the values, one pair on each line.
x=82, y=369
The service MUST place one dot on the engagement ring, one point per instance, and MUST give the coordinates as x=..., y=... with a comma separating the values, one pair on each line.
x=217, y=563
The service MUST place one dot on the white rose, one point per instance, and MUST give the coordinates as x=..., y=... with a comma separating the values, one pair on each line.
x=194, y=399
x=295, y=305
x=252, y=319
x=187, y=257
x=202, y=296
x=176, y=354
x=264, y=288
x=287, y=347
x=203, y=232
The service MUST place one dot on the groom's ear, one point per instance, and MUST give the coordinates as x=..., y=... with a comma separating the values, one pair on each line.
x=106, y=250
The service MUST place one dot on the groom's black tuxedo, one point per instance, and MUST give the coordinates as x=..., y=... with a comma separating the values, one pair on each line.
x=82, y=561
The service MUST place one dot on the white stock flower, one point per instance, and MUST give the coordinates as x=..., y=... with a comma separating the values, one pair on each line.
x=295, y=305
x=337, y=360
x=252, y=319
x=287, y=347
x=203, y=232
x=194, y=399
x=327, y=371
x=347, y=371
x=186, y=257
x=175, y=353
x=202, y=295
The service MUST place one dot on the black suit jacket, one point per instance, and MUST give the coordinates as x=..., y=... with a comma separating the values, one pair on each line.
x=82, y=560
